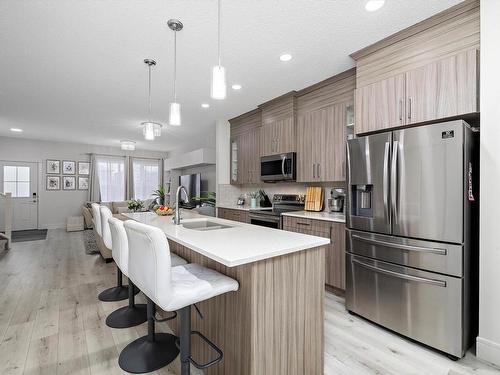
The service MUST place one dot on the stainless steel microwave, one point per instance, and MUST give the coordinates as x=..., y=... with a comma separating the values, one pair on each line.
x=280, y=167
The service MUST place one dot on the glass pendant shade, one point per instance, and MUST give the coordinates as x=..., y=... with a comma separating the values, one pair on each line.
x=218, y=83
x=151, y=130
x=175, y=114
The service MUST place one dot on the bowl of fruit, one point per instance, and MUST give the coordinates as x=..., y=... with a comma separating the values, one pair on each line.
x=164, y=211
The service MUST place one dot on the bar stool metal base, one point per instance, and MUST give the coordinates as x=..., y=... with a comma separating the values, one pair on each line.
x=127, y=316
x=117, y=293
x=142, y=355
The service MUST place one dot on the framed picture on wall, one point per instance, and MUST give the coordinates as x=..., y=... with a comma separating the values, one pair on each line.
x=84, y=167
x=69, y=183
x=69, y=167
x=53, y=183
x=83, y=183
x=53, y=166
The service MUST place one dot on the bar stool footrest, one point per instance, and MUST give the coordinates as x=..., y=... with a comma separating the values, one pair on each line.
x=157, y=320
x=203, y=366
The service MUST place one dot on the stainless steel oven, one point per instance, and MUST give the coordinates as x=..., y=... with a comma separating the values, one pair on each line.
x=280, y=167
x=265, y=220
x=281, y=203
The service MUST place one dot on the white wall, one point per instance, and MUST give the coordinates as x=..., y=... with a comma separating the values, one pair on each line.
x=488, y=342
x=55, y=206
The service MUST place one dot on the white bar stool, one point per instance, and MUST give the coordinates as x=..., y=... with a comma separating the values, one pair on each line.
x=172, y=289
x=133, y=314
x=120, y=291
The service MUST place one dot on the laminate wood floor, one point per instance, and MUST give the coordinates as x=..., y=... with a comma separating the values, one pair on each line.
x=52, y=323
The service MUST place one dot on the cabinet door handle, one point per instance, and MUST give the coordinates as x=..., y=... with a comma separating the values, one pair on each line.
x=306, y=224
x=319, y=170
x=400, y=110
x=314, y=170
x=409, y=108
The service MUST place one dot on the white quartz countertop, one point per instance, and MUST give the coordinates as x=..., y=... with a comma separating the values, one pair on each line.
x=241, y=244
x=244, y=208
x=326, y=216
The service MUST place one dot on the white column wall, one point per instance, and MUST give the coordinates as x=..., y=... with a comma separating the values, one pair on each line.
x=488, y=342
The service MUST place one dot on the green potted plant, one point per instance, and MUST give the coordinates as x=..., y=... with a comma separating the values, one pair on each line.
x=135, y=205
x=253, y=198
x=160, y=195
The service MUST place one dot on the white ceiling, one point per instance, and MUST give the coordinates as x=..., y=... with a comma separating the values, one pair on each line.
x=72, y=70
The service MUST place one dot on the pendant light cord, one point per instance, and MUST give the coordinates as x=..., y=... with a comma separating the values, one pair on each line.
x=149, y=92
x=175, y=66
x=218, y=30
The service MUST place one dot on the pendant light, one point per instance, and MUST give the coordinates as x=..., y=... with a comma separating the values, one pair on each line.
x=218, y=90
x=150, y=129
x=175, y=108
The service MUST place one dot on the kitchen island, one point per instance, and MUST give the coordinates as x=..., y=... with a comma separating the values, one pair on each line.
x=274, y=323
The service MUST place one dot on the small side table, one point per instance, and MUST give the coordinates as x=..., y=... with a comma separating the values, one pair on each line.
x=74, y=224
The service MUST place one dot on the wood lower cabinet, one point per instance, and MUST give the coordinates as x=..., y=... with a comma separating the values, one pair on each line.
x=233, y=214
x=438, y=90
x=335, y=252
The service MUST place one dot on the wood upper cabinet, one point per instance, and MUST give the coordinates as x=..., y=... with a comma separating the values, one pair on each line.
x=441, y=89
x=321, y=137
x=335, y=251
x=380, y=105
x=245, y=148
x=444, y=88
x=278, y=133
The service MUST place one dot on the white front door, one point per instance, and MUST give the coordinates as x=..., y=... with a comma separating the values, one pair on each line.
x=20, y=179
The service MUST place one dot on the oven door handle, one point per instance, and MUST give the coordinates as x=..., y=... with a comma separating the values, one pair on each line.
x=401, y=275
x=401, y=246
x=265, y=218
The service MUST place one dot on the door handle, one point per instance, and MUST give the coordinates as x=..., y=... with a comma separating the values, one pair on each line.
x=283, y=159
x=394, y=181
x=401, y=246
x=400, y=110
x=401, y=275
x=385, y=189
x=409, y=108
x=314, y=170
x=319, y=170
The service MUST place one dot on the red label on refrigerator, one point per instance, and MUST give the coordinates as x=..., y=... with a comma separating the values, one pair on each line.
x=471, y=196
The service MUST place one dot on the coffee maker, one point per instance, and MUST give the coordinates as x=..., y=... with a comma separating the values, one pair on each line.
x=336, y=200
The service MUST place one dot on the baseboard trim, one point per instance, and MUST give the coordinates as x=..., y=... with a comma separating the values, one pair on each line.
x=488, y=350
x=55, y=226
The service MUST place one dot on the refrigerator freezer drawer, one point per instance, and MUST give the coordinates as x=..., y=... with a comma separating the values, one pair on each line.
x=423, y=306
x=430, y=256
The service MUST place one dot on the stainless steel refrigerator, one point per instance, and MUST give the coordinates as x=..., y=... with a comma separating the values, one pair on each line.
x=412, y=228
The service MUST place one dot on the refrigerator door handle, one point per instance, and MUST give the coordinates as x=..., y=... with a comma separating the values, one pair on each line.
x=386, y=180
x=401, y=275
x=401, y=246
x=394, y=181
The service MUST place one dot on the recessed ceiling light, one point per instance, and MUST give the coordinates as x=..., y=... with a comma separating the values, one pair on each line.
x=205, y=105
x=236, y=86
x=128, y=145
x=373, y=5
x=286, y=57
x=16, y=130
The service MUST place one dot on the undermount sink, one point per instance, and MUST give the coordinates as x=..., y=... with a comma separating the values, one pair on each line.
x=203, y=225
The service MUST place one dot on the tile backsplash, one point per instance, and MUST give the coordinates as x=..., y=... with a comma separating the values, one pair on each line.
x=227, y=195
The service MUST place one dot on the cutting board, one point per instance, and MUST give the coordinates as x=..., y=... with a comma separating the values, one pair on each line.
x=315, y=196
